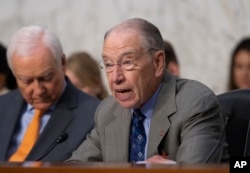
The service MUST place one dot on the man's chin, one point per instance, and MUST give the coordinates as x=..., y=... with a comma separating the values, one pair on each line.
x=42, y=106
x=126, y=104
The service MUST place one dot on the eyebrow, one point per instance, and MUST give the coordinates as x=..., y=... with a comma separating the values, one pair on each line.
x=126, y=52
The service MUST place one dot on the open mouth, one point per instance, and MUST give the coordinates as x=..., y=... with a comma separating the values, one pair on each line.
x=123, y=91
x=123, y=94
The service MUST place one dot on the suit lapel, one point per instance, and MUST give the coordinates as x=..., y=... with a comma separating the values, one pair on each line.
x=13, y=117
x=59, y=121
x=165, y=107
x=117, y=135
x=60, y=118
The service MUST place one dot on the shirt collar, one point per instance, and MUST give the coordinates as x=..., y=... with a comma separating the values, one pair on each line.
x=148, y=107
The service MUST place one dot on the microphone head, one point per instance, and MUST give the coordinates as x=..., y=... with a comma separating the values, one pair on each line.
x=59, y=139
x=62, y=137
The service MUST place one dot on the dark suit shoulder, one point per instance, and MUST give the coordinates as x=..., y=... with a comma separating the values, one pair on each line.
x=75, y=98
x=10, y=96
x=10, y=100
x=87, y=100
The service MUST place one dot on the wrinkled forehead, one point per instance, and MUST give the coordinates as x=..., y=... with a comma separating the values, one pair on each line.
x=121, y=40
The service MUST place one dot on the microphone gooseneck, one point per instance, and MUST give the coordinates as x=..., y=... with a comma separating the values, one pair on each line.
x=61, y=138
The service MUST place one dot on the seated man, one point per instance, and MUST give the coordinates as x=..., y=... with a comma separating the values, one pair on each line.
x=152, y=116
x=46, y=109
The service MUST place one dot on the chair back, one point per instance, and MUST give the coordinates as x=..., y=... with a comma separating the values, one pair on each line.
x=235, y=106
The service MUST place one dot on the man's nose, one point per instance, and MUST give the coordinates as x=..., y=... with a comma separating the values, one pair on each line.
x=38, y=87
x=117, y=74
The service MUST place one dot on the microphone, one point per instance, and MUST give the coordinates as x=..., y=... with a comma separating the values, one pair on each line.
x=61, y=138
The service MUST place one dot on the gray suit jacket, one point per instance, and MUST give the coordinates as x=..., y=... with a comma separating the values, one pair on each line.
x=186, y=124
x=73, y=114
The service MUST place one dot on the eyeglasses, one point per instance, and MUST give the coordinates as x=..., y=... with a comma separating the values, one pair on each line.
x=127, y=63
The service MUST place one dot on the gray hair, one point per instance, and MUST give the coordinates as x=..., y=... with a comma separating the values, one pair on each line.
x=151, y=35
x=29, y=38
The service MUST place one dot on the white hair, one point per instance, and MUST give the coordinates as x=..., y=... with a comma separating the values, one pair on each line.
x=29, y=38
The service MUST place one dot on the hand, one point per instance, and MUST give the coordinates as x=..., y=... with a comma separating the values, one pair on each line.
x=160, y=159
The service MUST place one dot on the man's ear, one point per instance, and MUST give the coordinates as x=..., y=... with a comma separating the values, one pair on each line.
x=159, y=62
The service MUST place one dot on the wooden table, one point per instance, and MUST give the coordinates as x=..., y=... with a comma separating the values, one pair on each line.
x=47, y=167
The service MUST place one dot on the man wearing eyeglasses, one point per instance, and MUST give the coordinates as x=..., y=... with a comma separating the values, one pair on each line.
x=152, y=116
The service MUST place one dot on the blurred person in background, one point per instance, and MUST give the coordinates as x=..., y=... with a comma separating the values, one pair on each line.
x=84, y=73
x=7, y=80
x=172, y=63
x=239, y=74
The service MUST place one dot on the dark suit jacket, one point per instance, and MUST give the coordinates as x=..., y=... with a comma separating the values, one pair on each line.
x=73, y=114
x=236, y=107
x=186, y=124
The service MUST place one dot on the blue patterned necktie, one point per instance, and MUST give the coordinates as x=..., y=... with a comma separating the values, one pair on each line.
x=137, y=140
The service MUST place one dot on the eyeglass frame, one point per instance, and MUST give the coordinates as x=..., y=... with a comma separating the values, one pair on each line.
x=123, y=65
